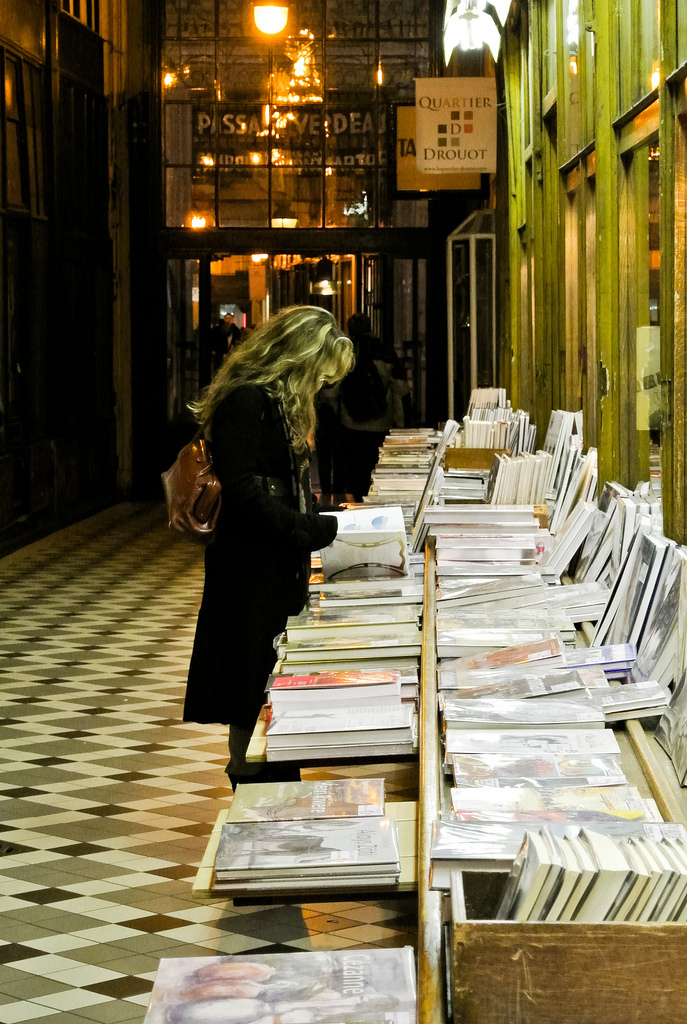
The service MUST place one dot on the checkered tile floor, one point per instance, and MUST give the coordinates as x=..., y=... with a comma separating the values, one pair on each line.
x=107, y=798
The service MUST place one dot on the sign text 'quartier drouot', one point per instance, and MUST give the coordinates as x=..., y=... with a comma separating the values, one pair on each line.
x=456, y=125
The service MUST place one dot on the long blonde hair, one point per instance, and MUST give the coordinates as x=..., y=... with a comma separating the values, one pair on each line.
x=289, y=356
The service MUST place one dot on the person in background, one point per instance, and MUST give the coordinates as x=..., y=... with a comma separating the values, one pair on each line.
x=371, y=399
x=260, y=412
x=232, y=330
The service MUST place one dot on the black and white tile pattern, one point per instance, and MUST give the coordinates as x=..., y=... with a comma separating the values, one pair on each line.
x=107, y=797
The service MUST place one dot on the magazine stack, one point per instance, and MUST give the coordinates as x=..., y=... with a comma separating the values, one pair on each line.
x=281, y=837
x=344, y=986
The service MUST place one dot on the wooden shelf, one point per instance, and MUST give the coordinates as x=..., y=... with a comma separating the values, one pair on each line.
x=540, y=972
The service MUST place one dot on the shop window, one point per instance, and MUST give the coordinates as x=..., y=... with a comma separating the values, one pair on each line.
x=85, y=11
x=640, y=284
x=16, y=157
x=550, y=54
x=588, y=45
x=681, y=32
x=240, y=111
x=639, y=56
x=590, y=389
x=399, y=19
x=571, y=75
x=573, y=347
x=296, y=198
x=400, y=64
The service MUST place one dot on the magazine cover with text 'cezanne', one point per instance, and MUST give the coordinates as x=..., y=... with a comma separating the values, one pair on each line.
x=371, y=986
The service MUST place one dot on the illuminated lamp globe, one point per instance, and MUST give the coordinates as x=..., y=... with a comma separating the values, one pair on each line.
x=270, y=18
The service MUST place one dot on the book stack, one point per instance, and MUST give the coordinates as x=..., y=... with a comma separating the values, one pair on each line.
x=564, y=432
x=536, y=771
x=569, y=538
x=527, y=804
x=486, y=398
x=418, y=483
x=462, y=633
x=307, y=657
x=519, y=682
x=594, y=877
x=464, y=486
x=385, y=731
x=306, y=801
x=519, y=479
x=282, y=856
x=324, y=623
x=580, y=602
x=459, y=713
x=488, y=541
x=339, y=690
x=485, y=593
x=494, y=845
x=645, y=699
x=501, y=427
x=345, y=985
x=355, y=594
x=616, y=660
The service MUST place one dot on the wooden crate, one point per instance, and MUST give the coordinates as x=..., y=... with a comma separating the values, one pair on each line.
x=506, y=972
x=472, y=458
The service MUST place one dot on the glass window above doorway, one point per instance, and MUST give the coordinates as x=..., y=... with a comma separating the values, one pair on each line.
x=289, y=130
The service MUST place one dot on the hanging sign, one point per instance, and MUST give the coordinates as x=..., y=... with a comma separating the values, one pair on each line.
x=408, y=178
x=455, y=125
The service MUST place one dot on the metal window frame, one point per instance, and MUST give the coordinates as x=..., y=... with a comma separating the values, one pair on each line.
x=461, y=234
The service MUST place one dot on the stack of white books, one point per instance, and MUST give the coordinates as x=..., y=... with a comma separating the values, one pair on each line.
x=464, y=485
x=518, y=480
x=521, y=682
x=459, y=713
x=463, y=632
x=319, y=622
x=327, y=733
x=303, y=657
x=595, y=877
x=484, y=593
x=282, y=856
x=632, y=700
x=493, y=846
x=356, y=594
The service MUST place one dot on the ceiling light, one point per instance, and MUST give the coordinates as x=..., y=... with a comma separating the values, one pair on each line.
x=467, y=26
x=270, y=18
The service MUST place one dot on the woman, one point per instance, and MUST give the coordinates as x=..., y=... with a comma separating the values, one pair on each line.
x=260, y=410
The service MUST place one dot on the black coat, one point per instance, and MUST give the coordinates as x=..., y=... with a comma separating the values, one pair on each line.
x=256, y=571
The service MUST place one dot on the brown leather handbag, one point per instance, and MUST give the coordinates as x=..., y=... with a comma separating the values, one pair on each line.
x=193, y=492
